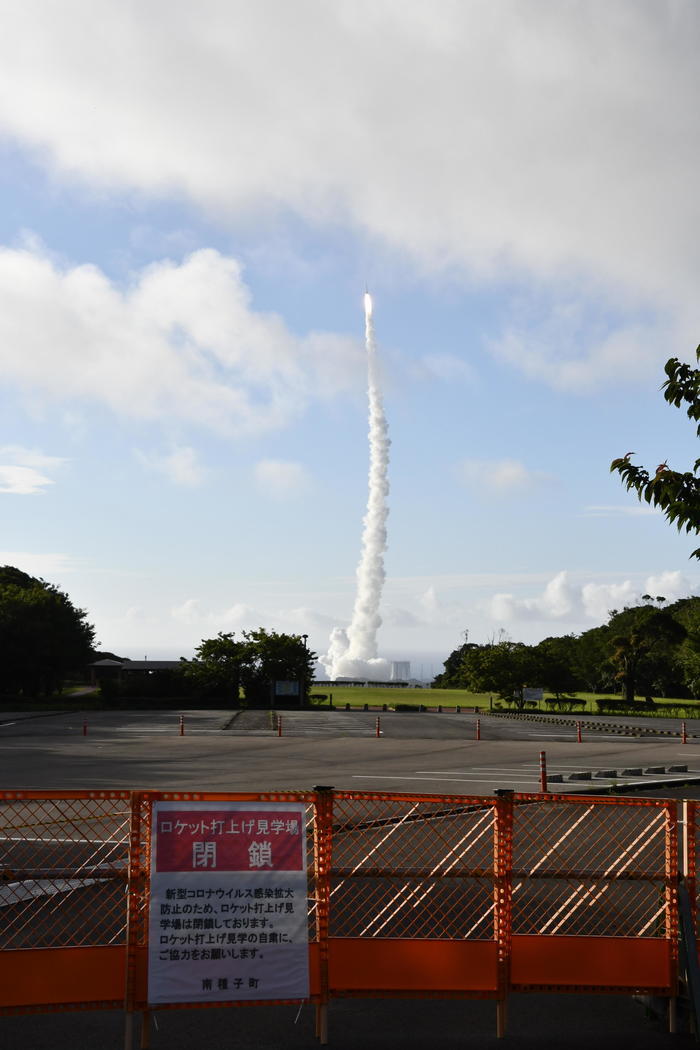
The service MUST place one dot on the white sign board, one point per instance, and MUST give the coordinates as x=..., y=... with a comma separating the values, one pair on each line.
x=228, y=906
x=533, y=693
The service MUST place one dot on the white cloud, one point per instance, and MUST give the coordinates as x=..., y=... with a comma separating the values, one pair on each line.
x=48, y=566
x=181, y=465
x=182, y=342
x=22, y=481
x=558, y=601
x=21, y=470
x=281, y=479
x=578, y=603
x=600, y=598
x=448, y=368
x=500, y=476
x=555, y=140
x=188, y=612
x=243, y=617
x=671, y=585
x=578, y=356
x=29, y=457
x=615, y=511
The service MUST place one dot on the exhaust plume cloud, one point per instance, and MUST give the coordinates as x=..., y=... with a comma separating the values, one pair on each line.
x=353, y=653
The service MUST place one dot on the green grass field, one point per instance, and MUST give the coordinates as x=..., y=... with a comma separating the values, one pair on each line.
x=375, y=696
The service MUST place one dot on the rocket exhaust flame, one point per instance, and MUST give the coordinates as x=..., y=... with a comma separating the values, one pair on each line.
x=354, y=653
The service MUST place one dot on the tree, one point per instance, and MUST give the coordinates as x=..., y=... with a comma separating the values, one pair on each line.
x=452, y=676
x=503, y=667
x=642, y=639
x=557, y=661
x=43, y=636
x=222, y=665
x=676, y=493
x=591, y=660
x=274, y=657
x=217, y=666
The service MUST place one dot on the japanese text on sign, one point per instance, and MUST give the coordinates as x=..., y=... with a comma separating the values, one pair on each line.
x=228, y=909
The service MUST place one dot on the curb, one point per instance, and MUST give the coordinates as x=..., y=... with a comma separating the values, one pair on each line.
x=622, y=789
x=35, y=714
x=596, y=727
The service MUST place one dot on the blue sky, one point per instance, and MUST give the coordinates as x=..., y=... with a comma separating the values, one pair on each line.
x=193, y=200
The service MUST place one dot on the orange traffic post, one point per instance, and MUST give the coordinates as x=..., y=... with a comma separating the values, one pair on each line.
x=279, y=725
x=684, y=733
x=182, y=725
x=478, y=729
x=578, y=732
x=84, y=728
x=379, y=726
x=543, y=772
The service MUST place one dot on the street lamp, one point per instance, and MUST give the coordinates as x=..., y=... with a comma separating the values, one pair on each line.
x=304, y=639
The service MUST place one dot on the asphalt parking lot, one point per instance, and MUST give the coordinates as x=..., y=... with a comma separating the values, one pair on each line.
x=536, y=1022
x=428, y=753
x=434, y=753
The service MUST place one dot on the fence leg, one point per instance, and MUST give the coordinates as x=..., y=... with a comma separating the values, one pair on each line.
x=502, y=899
x=501, y=1017
x=673, y=1015
x=145, y=1029
x=323, y=842
x=322, y=1023
x=128, y=1030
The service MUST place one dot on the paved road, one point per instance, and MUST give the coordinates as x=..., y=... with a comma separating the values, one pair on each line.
x=427, y=752
x=536, y=1022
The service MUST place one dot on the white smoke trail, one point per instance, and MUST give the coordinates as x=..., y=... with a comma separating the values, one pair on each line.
x=354, y=653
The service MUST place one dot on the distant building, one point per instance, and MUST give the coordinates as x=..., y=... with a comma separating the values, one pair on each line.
x=118, y=669
x=400, y=670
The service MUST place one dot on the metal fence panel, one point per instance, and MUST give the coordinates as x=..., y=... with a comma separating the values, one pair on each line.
x=407, y=894
x=412, y=867
x=592, y=867
x=64, y=868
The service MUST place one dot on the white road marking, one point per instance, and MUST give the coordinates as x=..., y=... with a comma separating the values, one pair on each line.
x=73, y=842
x=458, y=780
x=14, y=892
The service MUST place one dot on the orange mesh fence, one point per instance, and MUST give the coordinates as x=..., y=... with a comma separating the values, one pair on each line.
x=412, y=895
x=597, y=868
x=412, y=867
x=63, y=896
x=407, y=894
x=64, y=869
x=690, y=855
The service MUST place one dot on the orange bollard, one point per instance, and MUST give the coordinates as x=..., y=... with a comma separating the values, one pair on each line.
x=684, y=733
x=478, y=729
x=84, y=728
x=279, y=725
x=182, y=725
x=578, y=732
x=379, y=730
x=543, y=772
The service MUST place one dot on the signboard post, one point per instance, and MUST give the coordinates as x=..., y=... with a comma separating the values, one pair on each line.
x=228, y=906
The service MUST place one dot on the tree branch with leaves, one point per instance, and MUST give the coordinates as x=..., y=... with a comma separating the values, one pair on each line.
x=674, y=492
